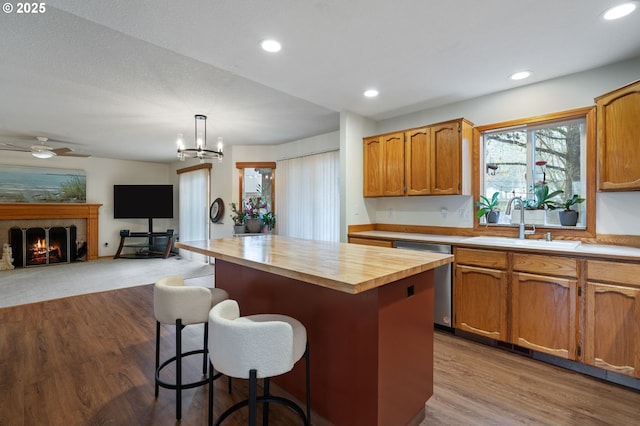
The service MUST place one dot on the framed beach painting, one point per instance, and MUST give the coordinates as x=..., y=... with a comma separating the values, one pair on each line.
x=20, y=184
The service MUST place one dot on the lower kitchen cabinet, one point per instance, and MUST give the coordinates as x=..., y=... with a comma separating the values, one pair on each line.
x=371, y=242
x=526, y=299
x=544, y=304
x=612, y=325
x=581, y=309
x=480, y=293
x=543, y=316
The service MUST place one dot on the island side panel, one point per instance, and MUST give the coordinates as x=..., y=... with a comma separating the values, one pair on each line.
x=345, y=332
x=405, y=349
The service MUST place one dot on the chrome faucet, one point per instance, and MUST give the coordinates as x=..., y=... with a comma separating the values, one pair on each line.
x=521, y=226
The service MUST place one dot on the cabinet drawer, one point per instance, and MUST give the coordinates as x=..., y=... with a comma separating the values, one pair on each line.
x=370, y=242
x=545, y=265
x=486, y=258
x=618, y=272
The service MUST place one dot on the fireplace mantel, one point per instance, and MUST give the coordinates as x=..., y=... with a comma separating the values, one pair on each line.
x=28, y=211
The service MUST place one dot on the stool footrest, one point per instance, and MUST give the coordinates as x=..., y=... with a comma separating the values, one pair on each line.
x=271, y=398
x=166, y=385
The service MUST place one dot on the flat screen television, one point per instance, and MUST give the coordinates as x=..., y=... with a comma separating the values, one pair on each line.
x=143, y=202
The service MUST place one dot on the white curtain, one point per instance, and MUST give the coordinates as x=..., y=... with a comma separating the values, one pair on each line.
x=194, y=210
x=308, y=197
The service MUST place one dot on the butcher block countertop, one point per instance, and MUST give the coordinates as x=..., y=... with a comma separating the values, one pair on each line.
x=350, y=268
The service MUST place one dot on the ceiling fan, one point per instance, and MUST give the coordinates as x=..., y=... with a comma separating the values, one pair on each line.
x=42, y=150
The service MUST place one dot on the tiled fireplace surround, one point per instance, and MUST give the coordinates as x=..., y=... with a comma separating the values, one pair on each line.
x=26, y=215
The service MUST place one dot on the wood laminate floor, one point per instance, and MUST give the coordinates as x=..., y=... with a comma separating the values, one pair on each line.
x=89, y=360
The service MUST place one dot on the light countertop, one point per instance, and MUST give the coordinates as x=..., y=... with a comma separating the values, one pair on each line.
x=351, y=268
x=610, y=251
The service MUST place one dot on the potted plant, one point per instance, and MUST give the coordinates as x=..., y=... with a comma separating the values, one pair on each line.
x=536, y=207
x=568, y=216
x=543, y=198
x=254, y=208
x=238, y=217
x=269, y=220
x=489, y=208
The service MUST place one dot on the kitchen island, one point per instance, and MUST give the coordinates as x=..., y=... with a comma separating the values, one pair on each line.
x=368, y=313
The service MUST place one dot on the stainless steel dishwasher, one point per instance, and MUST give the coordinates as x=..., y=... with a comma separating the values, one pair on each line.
x=443, y=283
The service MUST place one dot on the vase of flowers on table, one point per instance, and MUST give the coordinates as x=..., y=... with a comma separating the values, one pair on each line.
x=254, y=208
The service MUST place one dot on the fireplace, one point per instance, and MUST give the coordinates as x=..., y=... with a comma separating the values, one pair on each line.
x=43, y=245
x=33, y=215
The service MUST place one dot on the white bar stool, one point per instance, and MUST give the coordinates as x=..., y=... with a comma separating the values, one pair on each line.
x=175, y=303
x=256, y=347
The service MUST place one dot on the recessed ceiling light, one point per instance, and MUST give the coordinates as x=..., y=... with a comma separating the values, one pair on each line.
x=520, y=75
x=371, y=93
x=271, y=45
x=619, y=11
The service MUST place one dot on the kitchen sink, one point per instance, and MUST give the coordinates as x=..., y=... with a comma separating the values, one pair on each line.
x=516, y=242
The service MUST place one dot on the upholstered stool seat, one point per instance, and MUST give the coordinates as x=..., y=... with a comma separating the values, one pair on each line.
x=256, y=347
x=180, y=305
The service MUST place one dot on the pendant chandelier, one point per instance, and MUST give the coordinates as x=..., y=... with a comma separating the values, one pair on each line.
x=200, y=151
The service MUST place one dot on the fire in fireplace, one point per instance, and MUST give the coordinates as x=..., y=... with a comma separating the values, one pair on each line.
x=43, y=246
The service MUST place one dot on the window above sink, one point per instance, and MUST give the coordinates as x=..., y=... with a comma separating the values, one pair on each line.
x=556, y=151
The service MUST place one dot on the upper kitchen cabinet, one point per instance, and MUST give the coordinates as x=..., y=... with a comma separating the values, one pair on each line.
x=393, y=169
x=618, y=135
x=431, y=160
x=373, y=174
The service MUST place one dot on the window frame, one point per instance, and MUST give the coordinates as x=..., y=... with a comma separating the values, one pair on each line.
x=257, y=165
x=589, y=114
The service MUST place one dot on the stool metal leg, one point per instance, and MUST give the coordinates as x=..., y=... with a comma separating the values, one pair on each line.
x=265, y=405
x=178, y=368
x=253, y=396
x=211, y=379
x=205, y=355
x=157, y=355
x=306, y=353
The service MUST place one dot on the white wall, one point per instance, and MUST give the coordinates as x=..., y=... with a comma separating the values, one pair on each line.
x=614, y=210
x=354, y=209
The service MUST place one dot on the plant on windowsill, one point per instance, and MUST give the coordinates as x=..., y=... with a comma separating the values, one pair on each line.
x=238, y=217
x=489, y=208
x=542, y=198
x=536, y=208
x=568, y=216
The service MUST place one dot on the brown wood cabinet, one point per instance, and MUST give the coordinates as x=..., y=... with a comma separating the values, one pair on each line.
x=480, y=292
x=618, y=136
x=371, y=242
x=372, y=175
x=393, y=164
x=526, y=299
x=446, y=157
x=612, y=324
x=418, y=158
x=544, y=304
x=422, y=161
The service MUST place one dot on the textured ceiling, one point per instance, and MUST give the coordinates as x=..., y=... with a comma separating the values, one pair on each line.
x=120, y=79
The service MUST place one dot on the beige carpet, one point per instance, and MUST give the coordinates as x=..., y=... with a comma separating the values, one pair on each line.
x=28, y=285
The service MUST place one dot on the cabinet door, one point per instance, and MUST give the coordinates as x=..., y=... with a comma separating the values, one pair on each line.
x=372, y=167
x=618, y=136
x=446, y=159
x=393, y=164
x=544, y=314
x=612, y=338
x=418, y=156
x=480, y=301
x=371, y=242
